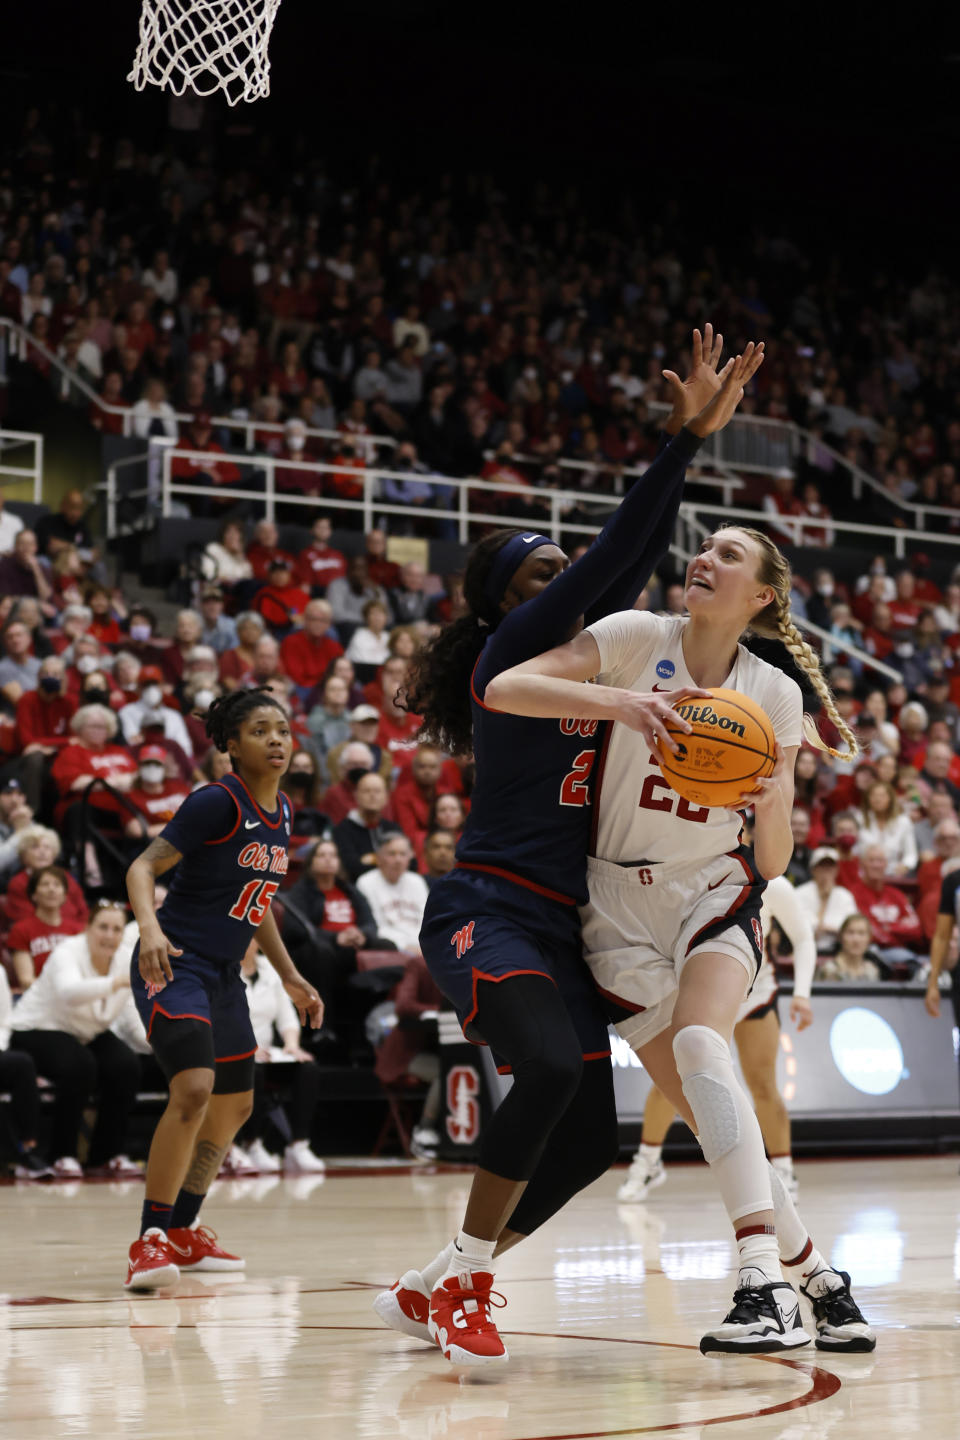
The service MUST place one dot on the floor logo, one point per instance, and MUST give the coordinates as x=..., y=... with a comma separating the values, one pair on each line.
x=866, y=1051
x=666, y=669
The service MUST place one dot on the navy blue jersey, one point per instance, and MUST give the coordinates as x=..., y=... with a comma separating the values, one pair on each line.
x=530, y=808
x=234, y=861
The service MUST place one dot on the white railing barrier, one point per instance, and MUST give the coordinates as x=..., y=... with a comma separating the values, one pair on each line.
x=32, y=472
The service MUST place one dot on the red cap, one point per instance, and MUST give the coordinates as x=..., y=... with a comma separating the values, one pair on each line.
x=151, y=752
x=150, y=675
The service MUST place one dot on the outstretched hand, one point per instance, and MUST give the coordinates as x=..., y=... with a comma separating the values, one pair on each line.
x=735, y=375
x=691, y=395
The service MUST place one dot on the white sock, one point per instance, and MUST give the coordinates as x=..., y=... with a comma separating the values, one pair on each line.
x=431, y=1273
x=783, y=1164
x=759, y=1257
x=469, y=1253
x=801, y=1260
x=650, y=1153
x=727, y=1127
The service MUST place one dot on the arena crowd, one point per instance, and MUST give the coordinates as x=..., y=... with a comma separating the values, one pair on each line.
x=471, y=335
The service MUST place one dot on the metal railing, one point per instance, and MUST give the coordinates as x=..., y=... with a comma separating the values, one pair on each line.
x=796, y=525
x=16, y=341
x=32, y=472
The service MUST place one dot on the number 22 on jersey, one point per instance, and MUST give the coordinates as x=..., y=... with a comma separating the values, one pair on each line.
x=651, y=800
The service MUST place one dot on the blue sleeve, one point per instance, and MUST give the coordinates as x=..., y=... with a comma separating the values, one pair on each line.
x=608, y=577
x=206, y=815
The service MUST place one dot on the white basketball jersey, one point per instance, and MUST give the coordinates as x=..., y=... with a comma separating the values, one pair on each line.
x=640, y=817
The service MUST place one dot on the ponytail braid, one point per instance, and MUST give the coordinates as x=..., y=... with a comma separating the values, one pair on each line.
x=775, y=622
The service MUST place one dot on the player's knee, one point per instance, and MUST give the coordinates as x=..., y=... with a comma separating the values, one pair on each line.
x=705, y=1067
x=697, y=1048
x=243, y=1108
x=763, y=1088
x=189, y=1098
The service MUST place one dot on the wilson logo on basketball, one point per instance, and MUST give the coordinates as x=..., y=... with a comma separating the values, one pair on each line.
x=706, y=715
x=463, y=1104
x=463, y=939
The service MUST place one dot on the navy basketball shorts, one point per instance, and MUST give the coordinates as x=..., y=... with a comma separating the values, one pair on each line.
x=481, y=927
x=214, y=998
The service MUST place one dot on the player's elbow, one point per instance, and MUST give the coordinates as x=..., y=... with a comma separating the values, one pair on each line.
x=497, y=695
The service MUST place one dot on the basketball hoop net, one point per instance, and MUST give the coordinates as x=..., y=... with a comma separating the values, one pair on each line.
x=206, y=45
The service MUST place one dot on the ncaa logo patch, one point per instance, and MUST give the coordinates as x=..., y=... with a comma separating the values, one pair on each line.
x=666, y=669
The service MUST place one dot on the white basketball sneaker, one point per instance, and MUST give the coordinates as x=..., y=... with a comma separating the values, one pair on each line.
x=643, y=1176
x=839, y=1321
x=765, y=1318
x=406, y=1306
x=260, y=1156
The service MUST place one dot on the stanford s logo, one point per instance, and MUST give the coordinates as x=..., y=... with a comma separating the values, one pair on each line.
x=463, y=939
x=463, y=1105
x=757, y=935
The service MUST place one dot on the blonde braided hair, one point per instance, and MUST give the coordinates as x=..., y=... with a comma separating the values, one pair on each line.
x=775, y=622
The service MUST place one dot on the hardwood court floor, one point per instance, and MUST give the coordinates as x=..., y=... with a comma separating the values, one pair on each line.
x=606, y=1308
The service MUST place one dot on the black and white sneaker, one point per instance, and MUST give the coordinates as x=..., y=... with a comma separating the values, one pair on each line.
x=840, y=1324
x=764, y=1319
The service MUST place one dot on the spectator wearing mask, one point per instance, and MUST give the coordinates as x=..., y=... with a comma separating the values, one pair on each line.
x=364, y=723
x=308, y=652
x=395, y=893
x=852, y=963
x=42, y=728
x=360, y=833
x=894, y=923
x=157, y=795
x=356, y=760
x=142, y=624
x=319, y=563
x=218, y=630
x=149, y=715
x=825, y=903
x=37, y=849
x=439, y=856
x=883, y=823
x=32, y=940
x=63, y=1022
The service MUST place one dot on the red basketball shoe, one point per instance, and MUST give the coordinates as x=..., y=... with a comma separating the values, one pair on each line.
x=152, y=1264
x=199, y=1250
x=406, y=1306
x=460, y=1320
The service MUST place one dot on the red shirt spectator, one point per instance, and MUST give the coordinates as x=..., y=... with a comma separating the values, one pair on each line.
x=381, y=570
x=39, y=937
x=307, y=653
x=318, y=564
x=265, y=548
x=217, y=472
x=87, y=755
x=43, y=718
x=19, y=906
x=414, y=794
x=280, y=602
x=893, y=920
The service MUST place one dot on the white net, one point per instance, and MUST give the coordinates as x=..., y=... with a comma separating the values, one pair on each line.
x=206, y=45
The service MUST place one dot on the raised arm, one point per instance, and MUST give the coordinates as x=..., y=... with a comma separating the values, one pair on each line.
x=633, y=539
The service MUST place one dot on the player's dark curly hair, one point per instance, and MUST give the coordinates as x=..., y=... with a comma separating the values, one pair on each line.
x=227, y=713
x=438, y=681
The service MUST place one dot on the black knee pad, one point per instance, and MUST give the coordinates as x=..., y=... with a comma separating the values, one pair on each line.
x=526, y=1022
x=181, y=1044
x=233, y=1076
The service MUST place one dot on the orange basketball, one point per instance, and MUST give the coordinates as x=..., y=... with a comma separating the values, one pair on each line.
x=732, y=745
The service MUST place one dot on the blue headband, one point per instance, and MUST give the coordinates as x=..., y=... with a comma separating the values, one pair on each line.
x=509, y=559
